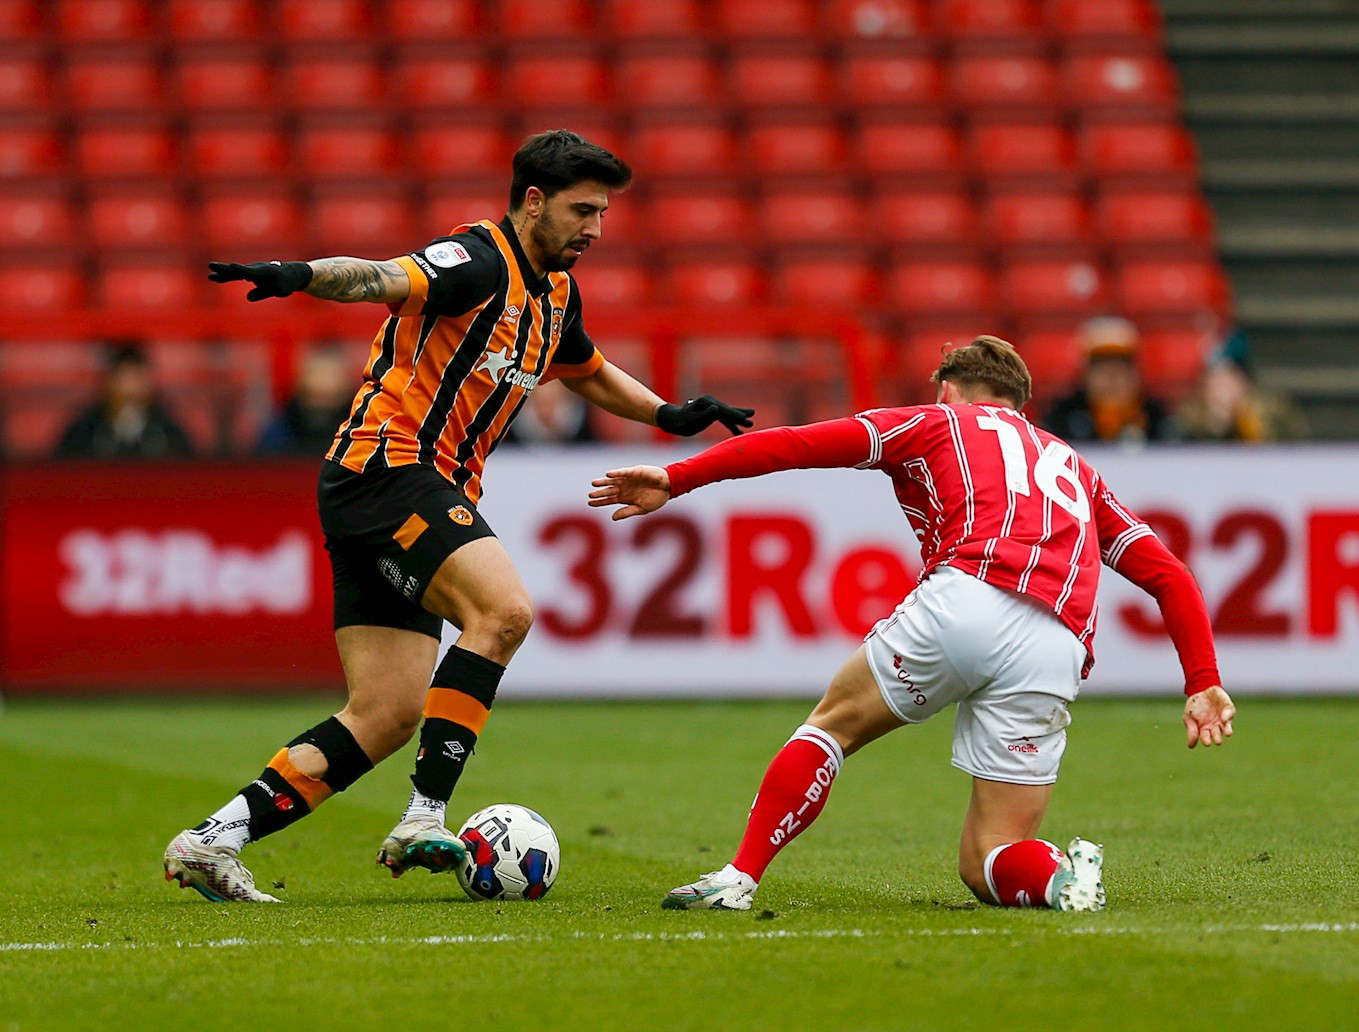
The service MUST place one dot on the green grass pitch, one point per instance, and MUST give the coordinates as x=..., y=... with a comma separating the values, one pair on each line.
x=1232, y=879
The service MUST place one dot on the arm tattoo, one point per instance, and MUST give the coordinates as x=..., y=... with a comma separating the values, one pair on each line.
x=357, y=279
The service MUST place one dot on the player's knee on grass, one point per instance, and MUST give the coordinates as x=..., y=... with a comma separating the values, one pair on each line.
x=974, y=878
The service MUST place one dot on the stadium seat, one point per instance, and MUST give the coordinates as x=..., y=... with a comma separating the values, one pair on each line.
x=625, y=223
x=1164, y=219
x=434, y=21
x=1004, y=21
x=451, y=206
x=796, y=148
x=29, y=153
x=766, y=19
x=221, y=21
x=1148, y=288
x=247, y=226
x=709, y=282
x=104, y=21
x=652, y=19
x=1017, y=150
x=667, y=80
x=43, y=287
x=910, y=359
x=1054, y=356
x=895, y=20
x=21, y=21
x=103, y=86
x=819, y=282
x=425, y=82
x=895, y=80
x=333, y=84
x=902, y=150
x=1121, y=22
x=37, y=221
x=1171, y=359
x=371, y=226
x=1140, y=149
x=707, y=218
x=347, y=152
x=1031, y=221
x=147, y=284
x=144, y=219
x=1008, y=81
x=764, y=79
x=532, y=21
x=613, y=283
x=904, y=219
x=939, y=288
x=459, y=150
x=812, y=218
x=695, y=149
x=25, y=85
x=556, y=82
x=1122, y=83
x=323, y=21
x=109, y=152
x=1048, y=288
x=213, y=83
x=232, y=152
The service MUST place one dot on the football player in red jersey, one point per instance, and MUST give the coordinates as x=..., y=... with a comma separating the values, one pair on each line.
x=1013, y=526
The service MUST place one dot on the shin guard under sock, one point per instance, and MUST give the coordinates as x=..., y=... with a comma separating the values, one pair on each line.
x=456, y=710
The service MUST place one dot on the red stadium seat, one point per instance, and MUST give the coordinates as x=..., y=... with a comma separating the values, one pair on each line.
x=801, y=217
x=896, y=20
x=1039, y=221
x=1014, y=150
x=40, y=220
x=107, y=152
x=238, y=153
x=908, y=150
x=445, y=211
x=556, y=82
x=786, y=19
x=822, y=282
x=623, y=224
x=434, y=21
x=347, y=152
x=1139, y=150
x=104, y=21
x=530, y=21
x=148, y=284
x=779, y=79
x=910, y=361
x=1044, y=288
x=43, y=287
x=241, y=224
x=935, y=288
x=1009, y=21
x=26, y=153
x=1149, y=288
x=1171, y=359
x=20, y=21
x=1055, y=358
x=605, y=282
x=653, y=19
x=1005, y=81
x=721, y=282
x=802, y=148
x=1140, y=82
x=893, y=80
x=371, y=226
x=221, y=21
x=1105, y=22
x=138, y=220
x=925, y=219
x=709, y=218
x=334, y=84
x=668, y=80
x=705, y=150
x=211, y=83
x=453, y=81
x=1144, y=218
x=107, y=86
x=324, y=21
x=461, y=150
x=25, y=85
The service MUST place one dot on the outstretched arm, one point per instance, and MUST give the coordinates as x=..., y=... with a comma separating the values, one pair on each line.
x=333, y=279
x=621, y=394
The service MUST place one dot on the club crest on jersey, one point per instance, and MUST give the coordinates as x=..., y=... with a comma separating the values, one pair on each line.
x=460, y=515
x=447, y=254
x=557, y=314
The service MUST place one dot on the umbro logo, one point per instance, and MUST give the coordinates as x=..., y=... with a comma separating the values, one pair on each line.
x=454, y=751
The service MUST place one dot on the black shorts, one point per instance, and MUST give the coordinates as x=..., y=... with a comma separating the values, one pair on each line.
x=388, y=532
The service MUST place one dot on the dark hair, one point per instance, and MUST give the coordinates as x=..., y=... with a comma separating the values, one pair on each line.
x=989, y=362
x=119, y=353
x=559, y=158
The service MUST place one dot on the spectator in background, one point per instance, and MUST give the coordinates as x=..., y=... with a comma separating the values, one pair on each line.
x=129, y=420
x=307, y=423
x=1226, y=405
x=1110, y=404
x=552, y=415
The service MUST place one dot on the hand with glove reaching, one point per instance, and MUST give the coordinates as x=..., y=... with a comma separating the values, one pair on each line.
x=697, y=415
x=270, y=279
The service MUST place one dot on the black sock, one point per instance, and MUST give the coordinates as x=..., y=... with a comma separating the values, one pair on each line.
x=456, y=710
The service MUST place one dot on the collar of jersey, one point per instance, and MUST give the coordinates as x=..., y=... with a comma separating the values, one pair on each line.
x=537, y=286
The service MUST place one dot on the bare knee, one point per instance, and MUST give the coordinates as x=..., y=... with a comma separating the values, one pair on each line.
x=970, y=871
x=383, y=728
x=501, y=629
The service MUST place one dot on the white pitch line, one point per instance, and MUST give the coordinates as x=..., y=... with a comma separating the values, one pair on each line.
x=1349, y=927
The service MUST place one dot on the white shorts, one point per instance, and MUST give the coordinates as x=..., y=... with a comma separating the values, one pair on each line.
x=1008, y=662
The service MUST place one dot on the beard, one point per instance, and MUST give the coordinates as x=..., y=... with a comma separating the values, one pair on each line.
x=552, y=249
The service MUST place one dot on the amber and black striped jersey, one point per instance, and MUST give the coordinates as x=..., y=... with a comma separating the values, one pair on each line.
x=454, y=363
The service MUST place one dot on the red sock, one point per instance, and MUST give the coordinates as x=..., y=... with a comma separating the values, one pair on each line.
x=792, y=795
x=1018, y=875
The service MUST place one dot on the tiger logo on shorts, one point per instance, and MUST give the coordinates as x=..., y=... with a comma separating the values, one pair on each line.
x=460, y=515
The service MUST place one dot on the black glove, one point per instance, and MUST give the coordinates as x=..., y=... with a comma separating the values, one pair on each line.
x=695, y=416
x=271, y=279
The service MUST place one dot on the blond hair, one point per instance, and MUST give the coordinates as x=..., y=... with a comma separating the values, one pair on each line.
x=991, y=363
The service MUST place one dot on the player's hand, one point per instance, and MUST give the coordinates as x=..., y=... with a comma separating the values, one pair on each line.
x=638, y=489
x=1208, y=716
x=697, y=415
x=271, y=279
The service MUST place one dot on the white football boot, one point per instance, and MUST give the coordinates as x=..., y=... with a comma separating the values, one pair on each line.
x=1077, y=885
x=421, y=842
x=214, y=871
x=727, y=889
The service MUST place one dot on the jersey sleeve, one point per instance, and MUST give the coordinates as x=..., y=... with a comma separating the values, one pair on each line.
x=450, y=276
x=835, y=443
x=1117, y=525
x=892, y=434
x=576, y=354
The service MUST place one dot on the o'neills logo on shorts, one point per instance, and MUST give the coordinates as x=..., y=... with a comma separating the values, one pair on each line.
x=459, y=515
x=1025, y=747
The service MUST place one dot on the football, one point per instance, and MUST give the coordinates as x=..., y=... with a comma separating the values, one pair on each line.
x=512, y=853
